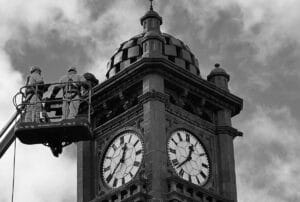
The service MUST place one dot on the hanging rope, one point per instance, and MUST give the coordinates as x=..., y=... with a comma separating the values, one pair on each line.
x=14, y=168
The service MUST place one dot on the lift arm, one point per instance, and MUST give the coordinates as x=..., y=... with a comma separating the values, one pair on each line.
x=7, y=135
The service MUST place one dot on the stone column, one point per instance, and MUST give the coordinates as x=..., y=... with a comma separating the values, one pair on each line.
x=85, y=172
x=155, y=135
x=226, y=155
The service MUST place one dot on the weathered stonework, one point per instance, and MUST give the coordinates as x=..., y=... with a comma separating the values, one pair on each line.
x=155, y=90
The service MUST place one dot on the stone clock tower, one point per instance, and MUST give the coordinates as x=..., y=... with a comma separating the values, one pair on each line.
x=162, y=133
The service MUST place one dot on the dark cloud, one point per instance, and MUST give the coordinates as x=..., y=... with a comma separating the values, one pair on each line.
x=98, y=8
x=264, y=72
x=54, y=55
x=266, y=156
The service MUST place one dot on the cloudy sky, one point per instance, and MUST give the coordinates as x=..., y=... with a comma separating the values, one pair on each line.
x=256, y=41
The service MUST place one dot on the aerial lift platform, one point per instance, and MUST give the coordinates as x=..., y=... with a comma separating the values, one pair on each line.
x=50, y=128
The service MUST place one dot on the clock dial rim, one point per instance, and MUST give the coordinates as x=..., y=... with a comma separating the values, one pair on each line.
x=208, y=161
x=116, y=138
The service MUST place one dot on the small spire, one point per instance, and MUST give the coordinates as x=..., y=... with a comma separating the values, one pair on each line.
x=151, y=5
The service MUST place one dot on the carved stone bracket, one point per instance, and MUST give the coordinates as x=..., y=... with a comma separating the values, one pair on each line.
x=153, y=95
x=228, y=130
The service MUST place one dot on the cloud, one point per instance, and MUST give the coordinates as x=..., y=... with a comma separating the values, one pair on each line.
x=39, y=175
x=251, y=39
x=267, y=163
x=53, y=34
x=9, y=83
x=256, y=41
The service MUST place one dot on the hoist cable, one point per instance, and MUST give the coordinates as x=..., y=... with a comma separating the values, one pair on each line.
x=14, y=168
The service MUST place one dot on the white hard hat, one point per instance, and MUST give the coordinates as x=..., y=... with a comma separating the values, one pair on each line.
x=35, y=68
x=72, y=69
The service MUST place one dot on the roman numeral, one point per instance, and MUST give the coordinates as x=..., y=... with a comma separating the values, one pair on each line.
x=122, y=140
x=179, y=136
x=136, y=143
x=181, y=172
x=123, y=180
x=198, y=181
x=136, y=163
x=131, y=175
x=187, y=137
x=138, y=152
x=106, y=169
x=108, y=157
x=109, y=177
x=175, y=162
x=204, y=165
x=115, y=182
x=130, y=138
x=172, y=151
x=190, y=178
x=174, y=141
x=203, y=154
x=114, y=147
x=203, y=175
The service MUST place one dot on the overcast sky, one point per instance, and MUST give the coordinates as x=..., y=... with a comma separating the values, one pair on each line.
x=256, y=41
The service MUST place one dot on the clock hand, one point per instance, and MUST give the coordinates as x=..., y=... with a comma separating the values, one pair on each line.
x=183, y=162
x=116, y=168
x=189, y=157
x=122, y=159
x=124, y=153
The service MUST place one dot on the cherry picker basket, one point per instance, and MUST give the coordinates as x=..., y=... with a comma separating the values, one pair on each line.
x=48, y=125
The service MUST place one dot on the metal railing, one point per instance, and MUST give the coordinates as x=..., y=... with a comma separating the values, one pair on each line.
x=23, y=98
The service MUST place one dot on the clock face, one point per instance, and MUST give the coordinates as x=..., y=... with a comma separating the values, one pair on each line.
x=188, y=157
x=122, y=159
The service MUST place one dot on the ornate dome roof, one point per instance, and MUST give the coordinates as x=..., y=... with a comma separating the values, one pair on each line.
x=218, y=71
x=173, y=49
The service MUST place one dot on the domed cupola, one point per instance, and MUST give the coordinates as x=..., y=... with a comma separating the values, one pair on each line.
x=152, y=43
x=151, y=21
x=219, y=77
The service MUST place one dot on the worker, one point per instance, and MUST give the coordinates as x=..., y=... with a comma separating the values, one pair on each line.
x=71, y=85
x=91, y=79
x=34, y=93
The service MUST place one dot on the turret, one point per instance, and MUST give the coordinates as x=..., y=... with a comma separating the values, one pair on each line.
x=151, y=21
x=153, y=40
x=219, y=77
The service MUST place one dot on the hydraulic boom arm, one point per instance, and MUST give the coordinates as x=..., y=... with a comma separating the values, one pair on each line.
x=7, y=134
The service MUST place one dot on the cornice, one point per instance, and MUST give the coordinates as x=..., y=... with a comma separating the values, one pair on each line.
x=162, y=66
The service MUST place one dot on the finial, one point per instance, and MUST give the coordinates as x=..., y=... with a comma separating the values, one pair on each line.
x=151, y=5
x=217, y=65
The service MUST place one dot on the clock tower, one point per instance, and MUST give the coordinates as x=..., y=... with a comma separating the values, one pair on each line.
x=161, y=131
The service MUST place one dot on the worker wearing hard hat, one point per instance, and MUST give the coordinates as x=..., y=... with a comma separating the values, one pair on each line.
x=71, y=85
x=34, y=93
